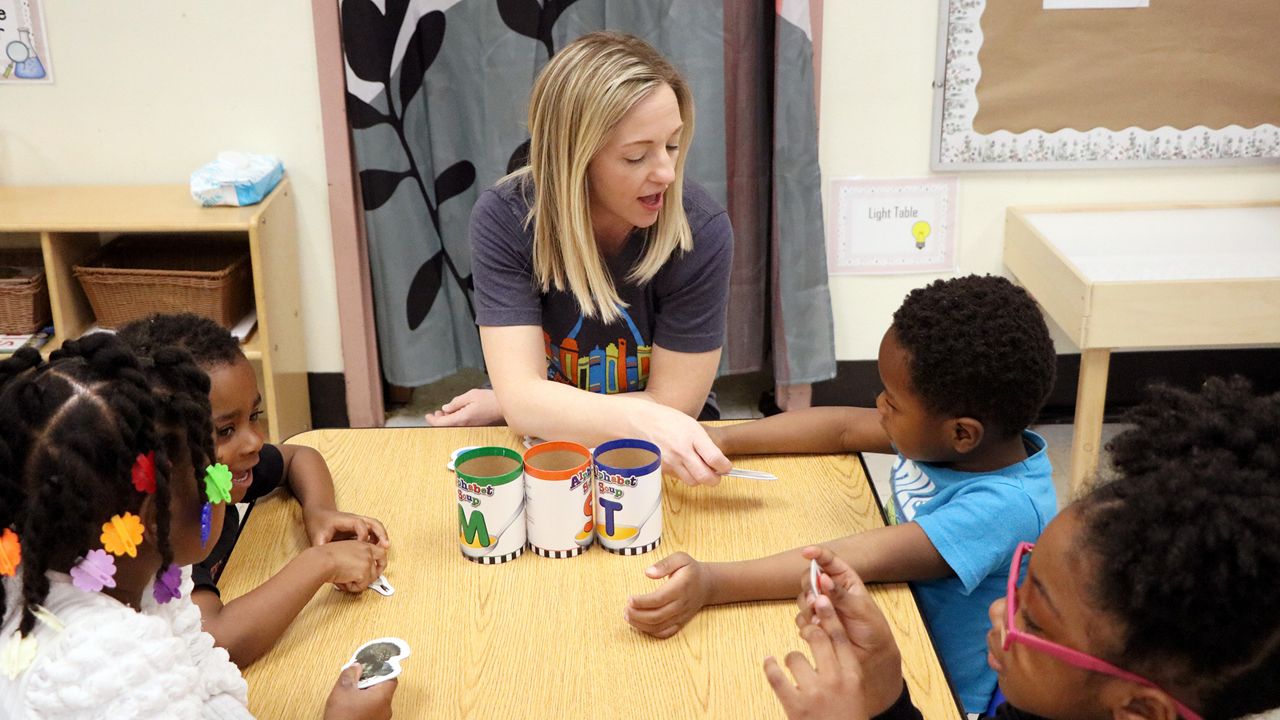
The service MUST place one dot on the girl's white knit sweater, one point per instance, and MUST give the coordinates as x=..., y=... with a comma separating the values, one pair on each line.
x=113, y=662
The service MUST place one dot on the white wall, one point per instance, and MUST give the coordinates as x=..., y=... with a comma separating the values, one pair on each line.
x=146, y=91
x=878, y=61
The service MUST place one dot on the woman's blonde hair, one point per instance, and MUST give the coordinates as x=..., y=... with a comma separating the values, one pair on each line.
x=577, y=100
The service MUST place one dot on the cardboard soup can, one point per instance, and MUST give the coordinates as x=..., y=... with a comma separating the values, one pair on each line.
x=559, y=504
x=628, y=496
x=491, y=522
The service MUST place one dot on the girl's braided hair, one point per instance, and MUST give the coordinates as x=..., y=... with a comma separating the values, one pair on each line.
x=70, y=430
x=1188, y=544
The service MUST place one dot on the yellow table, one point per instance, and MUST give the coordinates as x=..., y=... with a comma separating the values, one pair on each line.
x=538, y=637
x=1146, y=276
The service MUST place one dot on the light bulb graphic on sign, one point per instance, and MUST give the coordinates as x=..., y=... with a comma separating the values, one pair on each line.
x=920, y=231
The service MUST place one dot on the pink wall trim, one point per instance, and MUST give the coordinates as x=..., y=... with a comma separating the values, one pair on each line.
x=350, y=254
x=815, y=24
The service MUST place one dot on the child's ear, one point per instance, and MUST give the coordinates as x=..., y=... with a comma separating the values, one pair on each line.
x=147, y=514
x=966, y=434
x=1129, y=701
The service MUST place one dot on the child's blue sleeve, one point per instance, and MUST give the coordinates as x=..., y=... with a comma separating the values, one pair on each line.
x=977, y=529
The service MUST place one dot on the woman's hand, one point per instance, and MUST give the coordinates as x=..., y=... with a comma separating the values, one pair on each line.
x=471, y=408
x=687, y=451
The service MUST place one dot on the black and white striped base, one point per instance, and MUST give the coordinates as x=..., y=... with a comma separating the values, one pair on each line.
x=633, y=550
x=495, y=559
x=557, y=554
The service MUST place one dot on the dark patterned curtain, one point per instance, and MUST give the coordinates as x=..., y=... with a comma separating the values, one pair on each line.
x=436, y=96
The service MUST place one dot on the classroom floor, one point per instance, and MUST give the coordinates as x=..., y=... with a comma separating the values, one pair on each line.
x=739, y=396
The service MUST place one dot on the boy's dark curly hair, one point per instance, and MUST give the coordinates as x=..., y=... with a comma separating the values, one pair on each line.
x=70, y=430
x=978, y=347
x=1187, y=541
x=208, y=342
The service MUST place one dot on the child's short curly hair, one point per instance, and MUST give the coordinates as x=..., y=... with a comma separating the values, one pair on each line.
x=1187, y=542
x=208, y=342
x=978, y=347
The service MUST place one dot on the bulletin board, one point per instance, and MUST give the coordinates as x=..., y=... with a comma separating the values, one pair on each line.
x=1021, y=87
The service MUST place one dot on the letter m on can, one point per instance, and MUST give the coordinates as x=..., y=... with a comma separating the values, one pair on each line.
x=470, y=528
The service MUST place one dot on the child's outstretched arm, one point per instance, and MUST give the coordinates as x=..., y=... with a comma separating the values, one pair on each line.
x=308, y=477
x=249, y=625
x=811, y=430
x=890, y=554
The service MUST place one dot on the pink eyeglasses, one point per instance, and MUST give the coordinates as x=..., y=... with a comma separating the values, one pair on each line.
x=1062, y=653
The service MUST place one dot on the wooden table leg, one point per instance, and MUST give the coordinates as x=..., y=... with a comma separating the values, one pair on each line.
x=1091, y=396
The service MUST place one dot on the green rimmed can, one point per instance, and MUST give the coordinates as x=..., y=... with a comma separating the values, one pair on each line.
x=491, y=522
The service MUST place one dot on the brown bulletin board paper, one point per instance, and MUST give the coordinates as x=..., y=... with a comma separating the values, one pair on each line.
x=1178, y=63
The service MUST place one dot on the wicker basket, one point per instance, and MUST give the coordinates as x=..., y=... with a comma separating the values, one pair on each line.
x=137, y=275
x=24, y=295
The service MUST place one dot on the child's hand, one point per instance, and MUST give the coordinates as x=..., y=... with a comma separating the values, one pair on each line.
x=830, y=688
x=348, y=702
x=328, y=525
x=351, y=564
x=664, y=611
x=845, y=598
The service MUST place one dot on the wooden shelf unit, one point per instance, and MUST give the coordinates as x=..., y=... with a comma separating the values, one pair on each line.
x=70, y=223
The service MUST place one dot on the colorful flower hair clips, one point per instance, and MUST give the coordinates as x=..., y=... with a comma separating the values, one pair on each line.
x=144, y=472
x=206, y=524
x=95, y=571
x=10, y=552
x=169, y=585
x=217, y=487
x=217, y=483
x=122, y=534
x=46, y=616
x=18, y=654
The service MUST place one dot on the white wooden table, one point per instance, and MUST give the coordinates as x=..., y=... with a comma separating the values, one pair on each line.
x=1146, y=277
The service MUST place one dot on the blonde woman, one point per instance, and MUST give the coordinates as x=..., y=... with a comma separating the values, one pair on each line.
x=601, y=275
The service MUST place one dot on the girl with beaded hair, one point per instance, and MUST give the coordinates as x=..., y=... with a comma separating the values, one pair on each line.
x=106, y=495
x=601, y=272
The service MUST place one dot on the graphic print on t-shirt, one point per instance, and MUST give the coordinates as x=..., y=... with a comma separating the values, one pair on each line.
x=621, y=366
x=911, y=489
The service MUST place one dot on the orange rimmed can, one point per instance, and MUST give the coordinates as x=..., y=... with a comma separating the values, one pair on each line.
x=559, y=502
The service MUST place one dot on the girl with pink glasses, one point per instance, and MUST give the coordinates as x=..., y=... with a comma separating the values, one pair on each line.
x=1155, y=596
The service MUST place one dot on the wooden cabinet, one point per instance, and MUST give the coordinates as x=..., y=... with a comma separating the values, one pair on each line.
x=70, y=223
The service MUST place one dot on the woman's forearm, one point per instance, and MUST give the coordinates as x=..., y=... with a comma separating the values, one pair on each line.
x=552, y=410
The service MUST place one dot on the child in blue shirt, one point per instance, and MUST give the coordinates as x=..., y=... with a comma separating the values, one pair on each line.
x=966, y=366
x=1153, y=597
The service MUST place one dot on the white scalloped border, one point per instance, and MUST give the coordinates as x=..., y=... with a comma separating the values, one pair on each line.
x=960, y=145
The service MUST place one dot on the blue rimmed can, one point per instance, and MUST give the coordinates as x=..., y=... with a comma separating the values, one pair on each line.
x=628, y=475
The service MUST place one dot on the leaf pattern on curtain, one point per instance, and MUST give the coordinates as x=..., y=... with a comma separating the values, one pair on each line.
x=369, y=38
x=534, y=20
